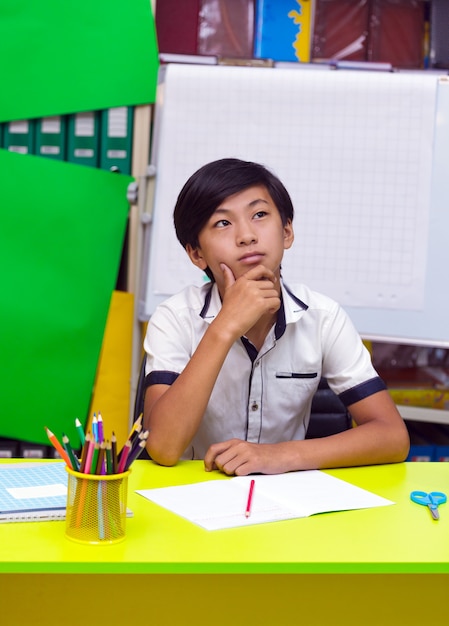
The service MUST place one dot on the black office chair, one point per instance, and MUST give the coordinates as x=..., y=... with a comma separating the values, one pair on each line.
x=140, y=391
x=328, y=413
x=139, y=401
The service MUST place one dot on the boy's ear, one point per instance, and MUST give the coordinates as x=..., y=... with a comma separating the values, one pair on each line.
x=196, y=257
x=289, y=235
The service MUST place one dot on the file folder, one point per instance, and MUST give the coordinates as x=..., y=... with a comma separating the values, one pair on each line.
x=83, y=138
x=19, y=136
x=116, y=139
x=50, y=137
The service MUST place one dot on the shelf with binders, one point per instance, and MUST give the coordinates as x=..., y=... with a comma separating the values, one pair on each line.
x=417, y=378
x=15, y=449
x=101, y=139
x=415, y=375
x=400, y=33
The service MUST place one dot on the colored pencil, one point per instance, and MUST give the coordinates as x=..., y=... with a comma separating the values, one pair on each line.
x=95, y=427
x=250, y=498
x=135, y=453
x=123, y=457
x=109, y=464
x=136, y=426
x=84, y=452
x=71, y=454
x=141, y=437
x=95, y=455
x=100, y=462
x=100, y=428
x=114, y=453
x=62, y=453
x=90, y=452
x=80, y=431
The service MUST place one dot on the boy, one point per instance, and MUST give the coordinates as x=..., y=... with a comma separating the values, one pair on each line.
x=232, y=366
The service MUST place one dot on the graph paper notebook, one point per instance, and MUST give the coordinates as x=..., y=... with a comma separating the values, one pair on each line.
x=32, y=491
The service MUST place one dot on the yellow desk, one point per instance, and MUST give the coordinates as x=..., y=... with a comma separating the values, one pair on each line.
x=373, y=566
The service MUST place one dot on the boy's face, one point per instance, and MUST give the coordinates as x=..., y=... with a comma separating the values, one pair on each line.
x=244, y=231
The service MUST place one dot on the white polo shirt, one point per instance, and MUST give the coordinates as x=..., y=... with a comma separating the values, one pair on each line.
x=262, y=397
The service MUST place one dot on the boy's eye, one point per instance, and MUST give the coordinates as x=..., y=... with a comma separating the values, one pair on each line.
x=221, y=223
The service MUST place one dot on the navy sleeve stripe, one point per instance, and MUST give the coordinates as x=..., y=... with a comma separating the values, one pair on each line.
x=362, y=391
x=161, y=377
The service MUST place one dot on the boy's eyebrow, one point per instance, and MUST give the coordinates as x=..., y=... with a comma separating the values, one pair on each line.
x=250, y=205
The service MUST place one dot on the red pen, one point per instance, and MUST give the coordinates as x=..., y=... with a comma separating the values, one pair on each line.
x=250, y=499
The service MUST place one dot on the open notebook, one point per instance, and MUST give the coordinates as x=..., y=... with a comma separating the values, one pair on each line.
x=217, y=504
x=32, y=492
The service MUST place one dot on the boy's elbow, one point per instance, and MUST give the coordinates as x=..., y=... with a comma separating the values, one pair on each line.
x=402, y=448
x=163, y=457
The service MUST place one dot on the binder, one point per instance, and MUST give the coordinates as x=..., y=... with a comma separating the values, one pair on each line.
x=439, y=40
x=19, y=136
x=33, y=450
x=226, y=28
x=421, y=453
x=396, y=33
x=283, y=30
x=441, y=454
x=51, y=137
x=177, y=26
x=8, y=448
x=341, y=30
x=116, y=139
x=83, y=138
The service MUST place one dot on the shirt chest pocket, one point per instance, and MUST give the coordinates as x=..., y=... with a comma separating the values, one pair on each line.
x=294, y=391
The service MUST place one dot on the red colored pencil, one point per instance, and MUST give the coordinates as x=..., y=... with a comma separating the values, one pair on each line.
x=124, y=456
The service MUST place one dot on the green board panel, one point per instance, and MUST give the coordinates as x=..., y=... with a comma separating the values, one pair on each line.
x=75, y=55
x=62, y=228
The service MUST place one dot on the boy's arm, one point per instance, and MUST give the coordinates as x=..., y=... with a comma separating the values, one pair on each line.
x=173, y=413
x=379, y=437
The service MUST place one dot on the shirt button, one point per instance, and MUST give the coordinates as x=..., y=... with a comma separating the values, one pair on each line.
x=254, y=406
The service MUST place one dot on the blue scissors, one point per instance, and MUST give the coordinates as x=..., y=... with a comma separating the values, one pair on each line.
x=432, y=500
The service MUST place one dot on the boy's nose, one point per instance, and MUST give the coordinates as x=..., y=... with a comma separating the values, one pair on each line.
x=246, y=237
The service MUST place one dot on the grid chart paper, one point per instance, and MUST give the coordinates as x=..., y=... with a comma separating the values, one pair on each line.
x=32, y=491
x=354, y=149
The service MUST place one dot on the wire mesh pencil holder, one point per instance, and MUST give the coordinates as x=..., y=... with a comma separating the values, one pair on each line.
x=96, y=507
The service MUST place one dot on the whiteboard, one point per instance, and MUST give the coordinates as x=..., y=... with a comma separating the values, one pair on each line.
x=365, y=158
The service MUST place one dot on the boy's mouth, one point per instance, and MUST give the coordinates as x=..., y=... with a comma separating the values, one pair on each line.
x=251, y=257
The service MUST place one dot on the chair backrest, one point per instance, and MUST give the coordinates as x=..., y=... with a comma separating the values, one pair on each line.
x=140, y=391
x=139, y=401
x=328, y=414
